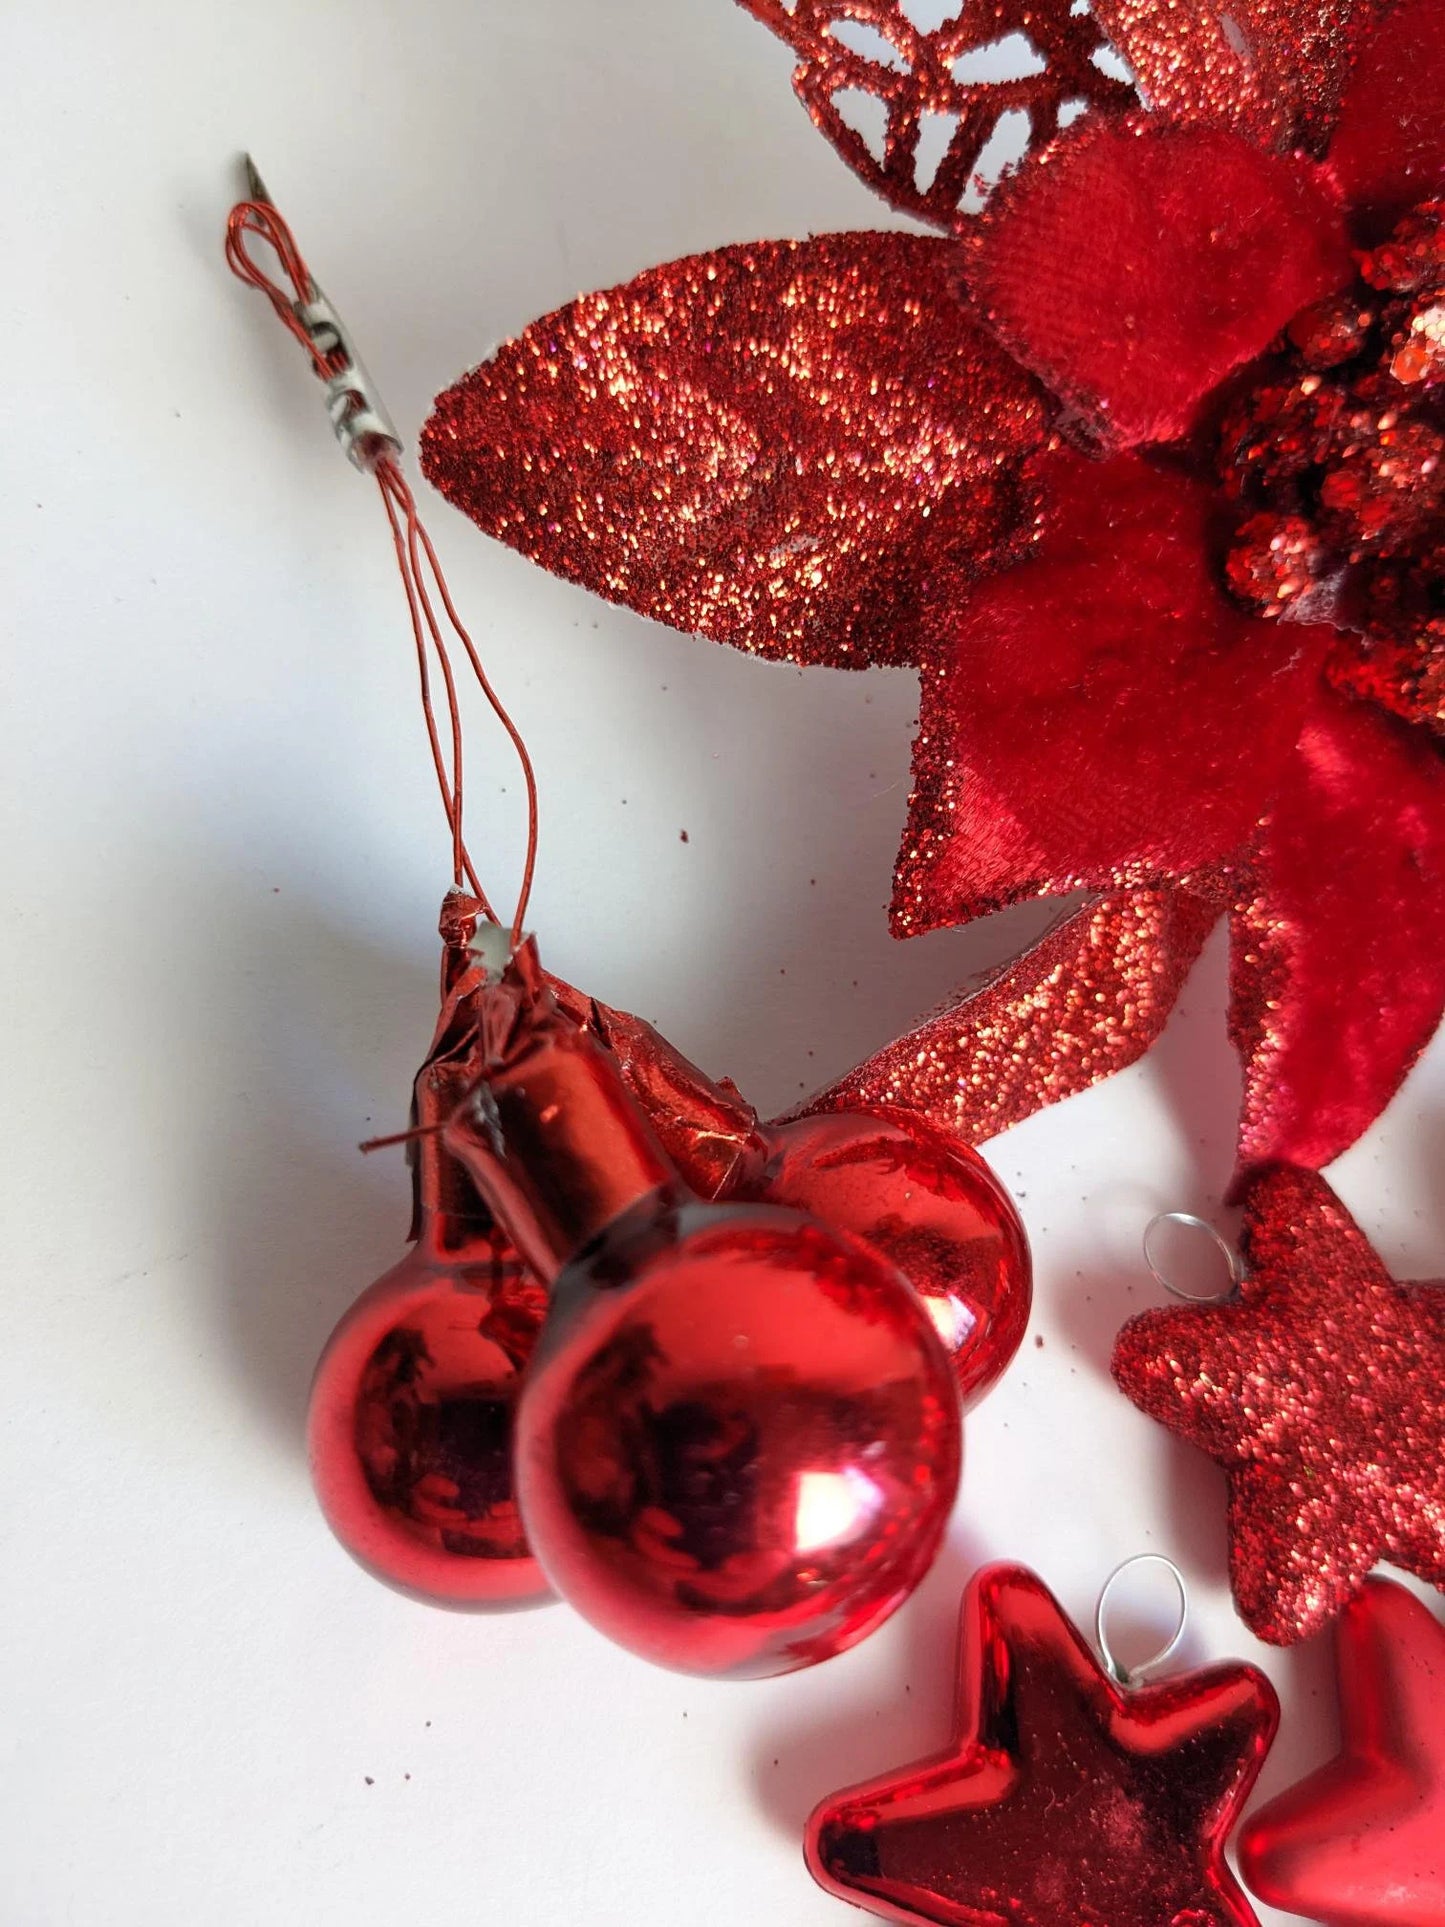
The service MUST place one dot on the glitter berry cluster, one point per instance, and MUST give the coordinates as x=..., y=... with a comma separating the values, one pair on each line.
x=1337, y=460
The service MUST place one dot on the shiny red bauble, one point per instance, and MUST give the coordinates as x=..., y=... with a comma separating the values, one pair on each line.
x=924, y=1199
x=414, y=1405
x=739, y=1441
x=930, y=1205
x=411, y=1422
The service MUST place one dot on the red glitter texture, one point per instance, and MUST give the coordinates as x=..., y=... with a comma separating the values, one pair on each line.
x=1063, y=1797
x=1085, y=1001
x=824, y=451
x=1318, y=1387
x=1361, y=1843
x=754, y=444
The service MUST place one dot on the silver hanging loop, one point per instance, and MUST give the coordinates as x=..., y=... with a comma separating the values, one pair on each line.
x=1121, y=1675
x=1231, y=1258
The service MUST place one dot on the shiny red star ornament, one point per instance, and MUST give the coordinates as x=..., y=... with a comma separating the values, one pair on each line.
x=1320, y=1388
x=1064, y=1797
x=1363, y=1840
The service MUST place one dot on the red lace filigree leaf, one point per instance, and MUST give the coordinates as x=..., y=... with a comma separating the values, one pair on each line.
x=775, y=445
x=1338, y=945
x=871, y=49
x=1272, y=70
x=1389, y=150
x=1133, y=266
x=1100, y=716
x=1084, y=1002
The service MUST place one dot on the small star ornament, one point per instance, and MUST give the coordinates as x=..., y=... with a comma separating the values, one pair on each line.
x=1319, y=1386
x=1065, y=1796
x=1363, y=1840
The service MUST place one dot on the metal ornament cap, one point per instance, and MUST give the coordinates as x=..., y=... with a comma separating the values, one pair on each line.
x=1064, y=1796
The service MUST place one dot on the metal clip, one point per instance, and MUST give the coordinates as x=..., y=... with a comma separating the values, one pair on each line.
x=358, y=414
x=359, y=417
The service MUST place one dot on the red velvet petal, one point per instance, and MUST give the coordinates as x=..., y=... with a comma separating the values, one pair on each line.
x=1084, y=1002
x=1101, y=715
x=1271, y=70
x=1389, y=150
x=1338, y=960
x=775, y=445
x=1132, y=267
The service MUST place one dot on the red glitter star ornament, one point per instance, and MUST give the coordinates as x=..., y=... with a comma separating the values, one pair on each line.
x=1361, y=1843
x=1064, y=1797
x=1320, y=1388
x=1073, y=458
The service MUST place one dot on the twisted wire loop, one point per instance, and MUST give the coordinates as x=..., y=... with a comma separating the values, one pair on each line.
x=372, y=443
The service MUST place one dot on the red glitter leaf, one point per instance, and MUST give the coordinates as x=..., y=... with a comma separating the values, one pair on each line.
x=1389, y=151
x=1082, y=1003
x=779, y=445
x=1101, y=716
x=1338, y=961
x=1270, y=70
x=872, y=49
x=1318, y=1388
x=1133, y=267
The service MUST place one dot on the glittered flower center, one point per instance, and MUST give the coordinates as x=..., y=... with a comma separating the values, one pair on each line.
x=1336, y=460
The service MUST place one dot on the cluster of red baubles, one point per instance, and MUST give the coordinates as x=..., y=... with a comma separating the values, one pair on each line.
x=700, y=1375
x=1337, y=459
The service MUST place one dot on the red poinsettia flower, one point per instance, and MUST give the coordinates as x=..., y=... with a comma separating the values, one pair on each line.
x=1143, y=467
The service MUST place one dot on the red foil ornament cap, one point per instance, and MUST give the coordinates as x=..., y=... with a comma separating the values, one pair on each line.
x=547, y=1129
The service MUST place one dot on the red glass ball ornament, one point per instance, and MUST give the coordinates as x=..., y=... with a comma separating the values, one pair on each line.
x=410, y=1428
x=931, y=1206
x=411, y=1416
x=739, y=1437
x=922, y=1198
x=739, y=1442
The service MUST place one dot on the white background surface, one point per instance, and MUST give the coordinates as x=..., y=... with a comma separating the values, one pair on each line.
x=222, y=863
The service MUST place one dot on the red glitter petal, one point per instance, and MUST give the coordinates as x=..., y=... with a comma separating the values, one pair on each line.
x=1084, y=1002
x=918, y=74
x=1338, y=960
x=1101, y=716
x=776, y=445
x=1132, y=267
x=1270, y=70
x=1389, y=151
x=1318, y=1387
